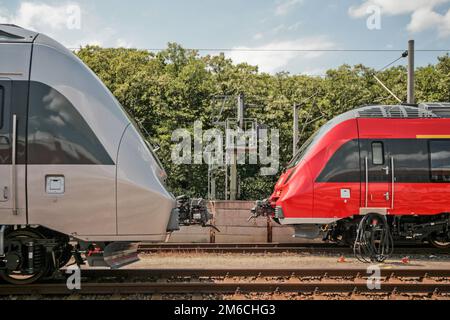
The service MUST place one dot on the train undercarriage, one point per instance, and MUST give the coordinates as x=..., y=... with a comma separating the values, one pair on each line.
x=29, y=253
x=434, y=229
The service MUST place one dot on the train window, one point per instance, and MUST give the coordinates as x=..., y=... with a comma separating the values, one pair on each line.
x=411, y=159
x=8, y=36
x=377, y=153
x=302, y=151
x=440, y=160
x=57, y=133
x=343, y=166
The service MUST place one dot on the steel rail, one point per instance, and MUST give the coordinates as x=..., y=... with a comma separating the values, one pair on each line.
x=229, y=281
x=274, y=248
x=225, y=287
x=265, y=272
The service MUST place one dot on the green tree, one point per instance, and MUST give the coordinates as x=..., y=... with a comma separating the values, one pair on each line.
x=171, y=89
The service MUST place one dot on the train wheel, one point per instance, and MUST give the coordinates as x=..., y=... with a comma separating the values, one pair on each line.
x=439, y=241
x=16, y=256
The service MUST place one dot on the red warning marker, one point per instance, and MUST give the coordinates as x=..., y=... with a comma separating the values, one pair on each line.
x=405, y=260
x=341, y=259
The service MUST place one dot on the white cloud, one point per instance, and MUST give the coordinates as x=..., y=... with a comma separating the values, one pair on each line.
x=122, y=43
x=39, y=16
x=258, y=36
x=423, y=14
x=65, y=22
x=278, y=28
x=393, y=7
x=422, y=19
x=315, y=72
x=295, y=26
x=426, y=18
x=83, y=42
x=282, y=27
x=285, y=6
x=274, y=61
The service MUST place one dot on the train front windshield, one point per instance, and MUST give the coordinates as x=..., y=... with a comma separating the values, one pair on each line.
x=315, y=137
x=302, y=151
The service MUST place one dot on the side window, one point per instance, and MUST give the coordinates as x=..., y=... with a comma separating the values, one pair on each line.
x=343, y=166
x=2, y=105
x=411, y=159
x=377, y=153
x=440, y=160
x=57, y=133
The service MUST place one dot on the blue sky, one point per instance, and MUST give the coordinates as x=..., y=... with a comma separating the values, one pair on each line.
x=248, y=24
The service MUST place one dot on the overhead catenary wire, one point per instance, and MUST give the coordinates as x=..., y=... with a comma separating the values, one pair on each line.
x=404, y=55
x=279, y=50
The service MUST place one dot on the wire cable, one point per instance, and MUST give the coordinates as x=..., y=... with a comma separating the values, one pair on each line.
x=404, y=55
x=277, y=50
x=374, y=241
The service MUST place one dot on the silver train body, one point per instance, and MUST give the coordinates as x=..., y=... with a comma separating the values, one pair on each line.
x=71, y=160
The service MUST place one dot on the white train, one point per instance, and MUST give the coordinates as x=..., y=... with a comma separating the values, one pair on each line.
x=73, y=166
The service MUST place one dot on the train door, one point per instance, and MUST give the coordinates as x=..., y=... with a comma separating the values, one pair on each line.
x=12, y=209
x=377, y=175
x=5, y=148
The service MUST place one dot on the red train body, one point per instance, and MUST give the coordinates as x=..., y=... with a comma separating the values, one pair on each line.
x=390, y=160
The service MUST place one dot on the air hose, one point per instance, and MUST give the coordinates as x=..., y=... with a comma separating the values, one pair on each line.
x=374, y=241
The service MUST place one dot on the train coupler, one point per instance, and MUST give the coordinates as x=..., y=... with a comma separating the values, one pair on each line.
x=190, y=212
x=262, y=208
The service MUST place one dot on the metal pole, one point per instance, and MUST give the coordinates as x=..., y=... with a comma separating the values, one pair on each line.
x=233, y=177
x=295, y=131
x=241, y=111
x=226, y=181
x=233, y=169
x=213, y=187
x=411, y=98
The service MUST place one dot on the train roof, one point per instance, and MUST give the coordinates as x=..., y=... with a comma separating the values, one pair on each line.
x=12, y=33
x=422, y=110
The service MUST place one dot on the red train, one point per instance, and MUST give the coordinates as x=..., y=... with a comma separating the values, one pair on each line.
x=391, y=161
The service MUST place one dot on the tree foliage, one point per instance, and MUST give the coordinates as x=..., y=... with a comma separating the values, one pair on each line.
x=171, y=89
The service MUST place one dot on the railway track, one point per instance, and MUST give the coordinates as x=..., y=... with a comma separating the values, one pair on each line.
x=232, y=281
x=275, y=248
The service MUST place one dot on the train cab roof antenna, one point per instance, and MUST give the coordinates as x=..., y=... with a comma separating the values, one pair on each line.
x=404, y=55
x=387, y=89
